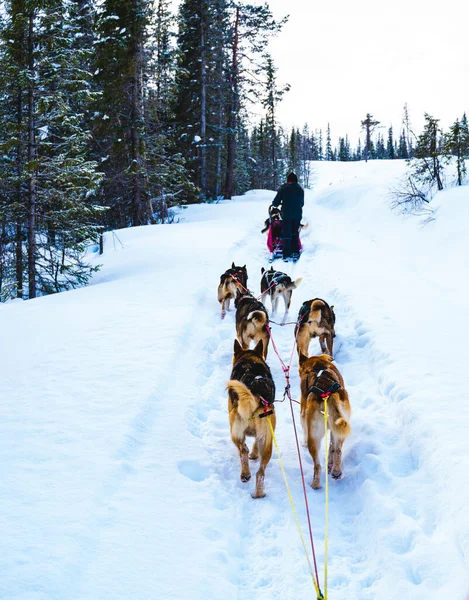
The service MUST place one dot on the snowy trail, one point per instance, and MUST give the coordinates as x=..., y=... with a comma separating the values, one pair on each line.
x=120, y=478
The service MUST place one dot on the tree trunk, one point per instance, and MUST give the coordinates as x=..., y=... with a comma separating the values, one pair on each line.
x=232, y=114
x=32, y=168
x=203, y=110
x=19, y=199
x=368, y=141
x=136, y=119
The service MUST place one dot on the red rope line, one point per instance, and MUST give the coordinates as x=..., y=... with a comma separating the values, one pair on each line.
x=286, y=372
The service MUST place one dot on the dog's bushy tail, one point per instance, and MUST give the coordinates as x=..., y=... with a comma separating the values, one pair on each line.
x=316, y=310
x=338, y=423
x=247, y=404
x=294, y=284
x=258, y=317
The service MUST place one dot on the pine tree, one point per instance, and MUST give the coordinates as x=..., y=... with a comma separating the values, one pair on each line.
x=50, y=177
x=252, y=26
x=427, y=166
x=329, y=154
x=408, y=131
x=455, y=146
x=272, y=97
x=369, y=125
x=390, y=153
x=119, y=124
x=402, y=151
x=465, y=136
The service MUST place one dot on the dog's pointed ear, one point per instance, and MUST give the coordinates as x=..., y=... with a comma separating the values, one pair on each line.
x=259, y=349
x=237, y=348
x=232, y=265
x=262, y=270
x=302, y=358
x=245, y=268
x=271, y=268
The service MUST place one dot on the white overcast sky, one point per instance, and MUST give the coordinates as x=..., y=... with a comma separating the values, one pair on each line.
x=344, y=58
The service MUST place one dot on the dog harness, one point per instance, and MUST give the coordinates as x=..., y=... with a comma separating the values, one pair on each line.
x=324, y=384
x=275, y=277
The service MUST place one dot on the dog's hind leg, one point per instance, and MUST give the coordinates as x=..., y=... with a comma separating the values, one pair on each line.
x=302, y=342
x=335, y=457
x=254, y=454
x=228, y=304
x=274, y=304
x=243, y=455
x=265, y=450
x=315, y=435
x=325, y=341
x=223, y=309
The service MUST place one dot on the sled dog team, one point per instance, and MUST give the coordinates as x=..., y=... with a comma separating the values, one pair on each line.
x=251, y=388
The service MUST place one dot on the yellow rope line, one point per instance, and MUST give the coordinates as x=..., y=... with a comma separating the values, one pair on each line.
x=326, y=533
x=316, y=587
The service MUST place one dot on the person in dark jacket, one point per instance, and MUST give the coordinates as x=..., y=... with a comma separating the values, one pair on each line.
x=292, y=197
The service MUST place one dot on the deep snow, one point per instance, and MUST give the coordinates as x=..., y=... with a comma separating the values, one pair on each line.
x=119, y=479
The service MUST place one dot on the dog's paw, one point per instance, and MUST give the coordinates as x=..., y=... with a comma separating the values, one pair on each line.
x=258, y=495
x=316, y=485
x=336, y=475
x=254, y=456
x=245, y=478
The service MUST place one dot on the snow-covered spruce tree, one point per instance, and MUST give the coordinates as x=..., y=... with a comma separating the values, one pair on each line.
x=272, y=97
x=166, y=176
x=426, y=165
x=13, y=101
x=119, y=121
x=320, y=146
x=456, y=141
x=328, y=154
x=409, y=135
x=201, y=90
x=49, y=176
x=259, y=164
x=390, y=153
x=402, y=150
x=465, y=135
x=343, y=152
x=307, y=150
x=249, y=32
x=293, y=152
x=65, y=180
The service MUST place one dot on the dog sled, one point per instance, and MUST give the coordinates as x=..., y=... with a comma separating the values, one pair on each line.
x=274, y=241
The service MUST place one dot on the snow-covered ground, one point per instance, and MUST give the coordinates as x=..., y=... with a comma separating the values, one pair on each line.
x=118, y=476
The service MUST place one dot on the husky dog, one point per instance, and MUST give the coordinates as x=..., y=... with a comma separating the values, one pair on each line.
x=317, y=374
x=251, y=321
x=275, y=214
x=316, y=318
x=231, y=281
x=251, y=394
x=277, y=284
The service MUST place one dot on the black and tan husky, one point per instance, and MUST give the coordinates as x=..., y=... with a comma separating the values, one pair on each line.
x=315, y=319
x=277, y=284
x=317, y=374
x=231, y=281
x=251, y=395
x=251, y=321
